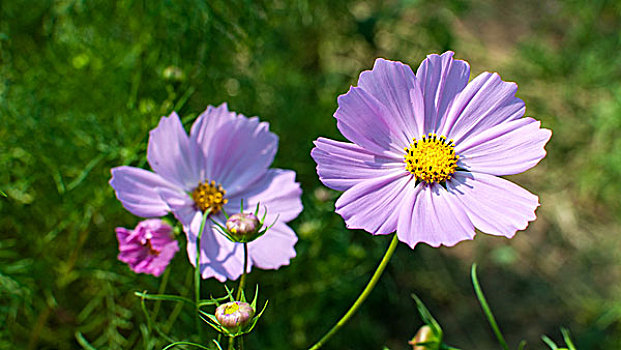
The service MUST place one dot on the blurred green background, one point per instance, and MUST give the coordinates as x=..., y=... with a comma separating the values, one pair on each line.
x=82, y=83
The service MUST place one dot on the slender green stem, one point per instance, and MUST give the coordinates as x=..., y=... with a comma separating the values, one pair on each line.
x=363, y=296
x=197, y=270
x=162, y=288
x=231, y=343
x=242, y=280
x=240, y=292
x=486, y=309
x=241, y=343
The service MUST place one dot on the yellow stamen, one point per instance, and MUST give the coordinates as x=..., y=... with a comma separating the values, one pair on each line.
x=431, y=159
x=231, y=308
x=209, y=196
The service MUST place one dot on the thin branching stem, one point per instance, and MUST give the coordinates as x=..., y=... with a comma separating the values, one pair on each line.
x=363, y=296
x=486, y=309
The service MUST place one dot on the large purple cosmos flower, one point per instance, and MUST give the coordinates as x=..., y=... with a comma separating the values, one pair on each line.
x=427, y=152
x=224, y=159
x=148, y=248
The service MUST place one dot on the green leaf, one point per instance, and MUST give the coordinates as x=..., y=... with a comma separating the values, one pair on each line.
x=212, y=301
x=166, y=297
x=567, y=338
x=256, y=318
x=217, y=344
x=229, y=293
x=212, y=321
x=549, y=342
x=256, y=296
x=428, y=318
x=83, y=342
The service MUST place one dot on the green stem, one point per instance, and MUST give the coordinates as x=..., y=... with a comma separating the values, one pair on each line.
x=163, y=283
x=363, y=296
x=242, y=280
x=231, y=343
x=486, y=309
x=241, y=343
x=197, y=270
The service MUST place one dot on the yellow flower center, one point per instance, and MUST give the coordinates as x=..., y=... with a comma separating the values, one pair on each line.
x=231, y=308
x=431, y=159
x=209, y=196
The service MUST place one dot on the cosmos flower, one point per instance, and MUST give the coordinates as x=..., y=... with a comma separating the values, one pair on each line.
x=224, y=159
x=148, y=248
x=427, y=150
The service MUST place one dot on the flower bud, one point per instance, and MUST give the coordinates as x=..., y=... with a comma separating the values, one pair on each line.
x=244, y=227
x=234, y=315
x=424, y=335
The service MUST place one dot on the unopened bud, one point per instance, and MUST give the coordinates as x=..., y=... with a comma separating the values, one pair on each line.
x=234, y=315
x=424, y=336
x=244, y=227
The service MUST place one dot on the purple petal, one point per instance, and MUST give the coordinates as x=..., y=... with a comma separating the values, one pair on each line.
x=277, y=191
x=432, y=215
x=137, y=189
x=220, y=258
x=341, y=165
x=487, y=101
x=494, y=205
x=177, y=201
x=208, y=124
x=373, y=205
x=391, y=83
x=172, y=155
x=505, y=149
x=274, y=249
x=365, y=121
x=441, y=78
x=122, y=234
x=239, y=152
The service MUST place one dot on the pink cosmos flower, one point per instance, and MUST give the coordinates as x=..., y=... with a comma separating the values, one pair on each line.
x=148, y=248
x=427, y=151
x=224, y=159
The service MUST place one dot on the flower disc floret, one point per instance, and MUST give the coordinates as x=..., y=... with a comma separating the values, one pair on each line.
x=431, y=159
x=208, y=195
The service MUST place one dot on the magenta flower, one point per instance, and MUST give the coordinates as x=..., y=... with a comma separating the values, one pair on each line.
x=427, y=152
x=148, y=248
x=224, y=159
